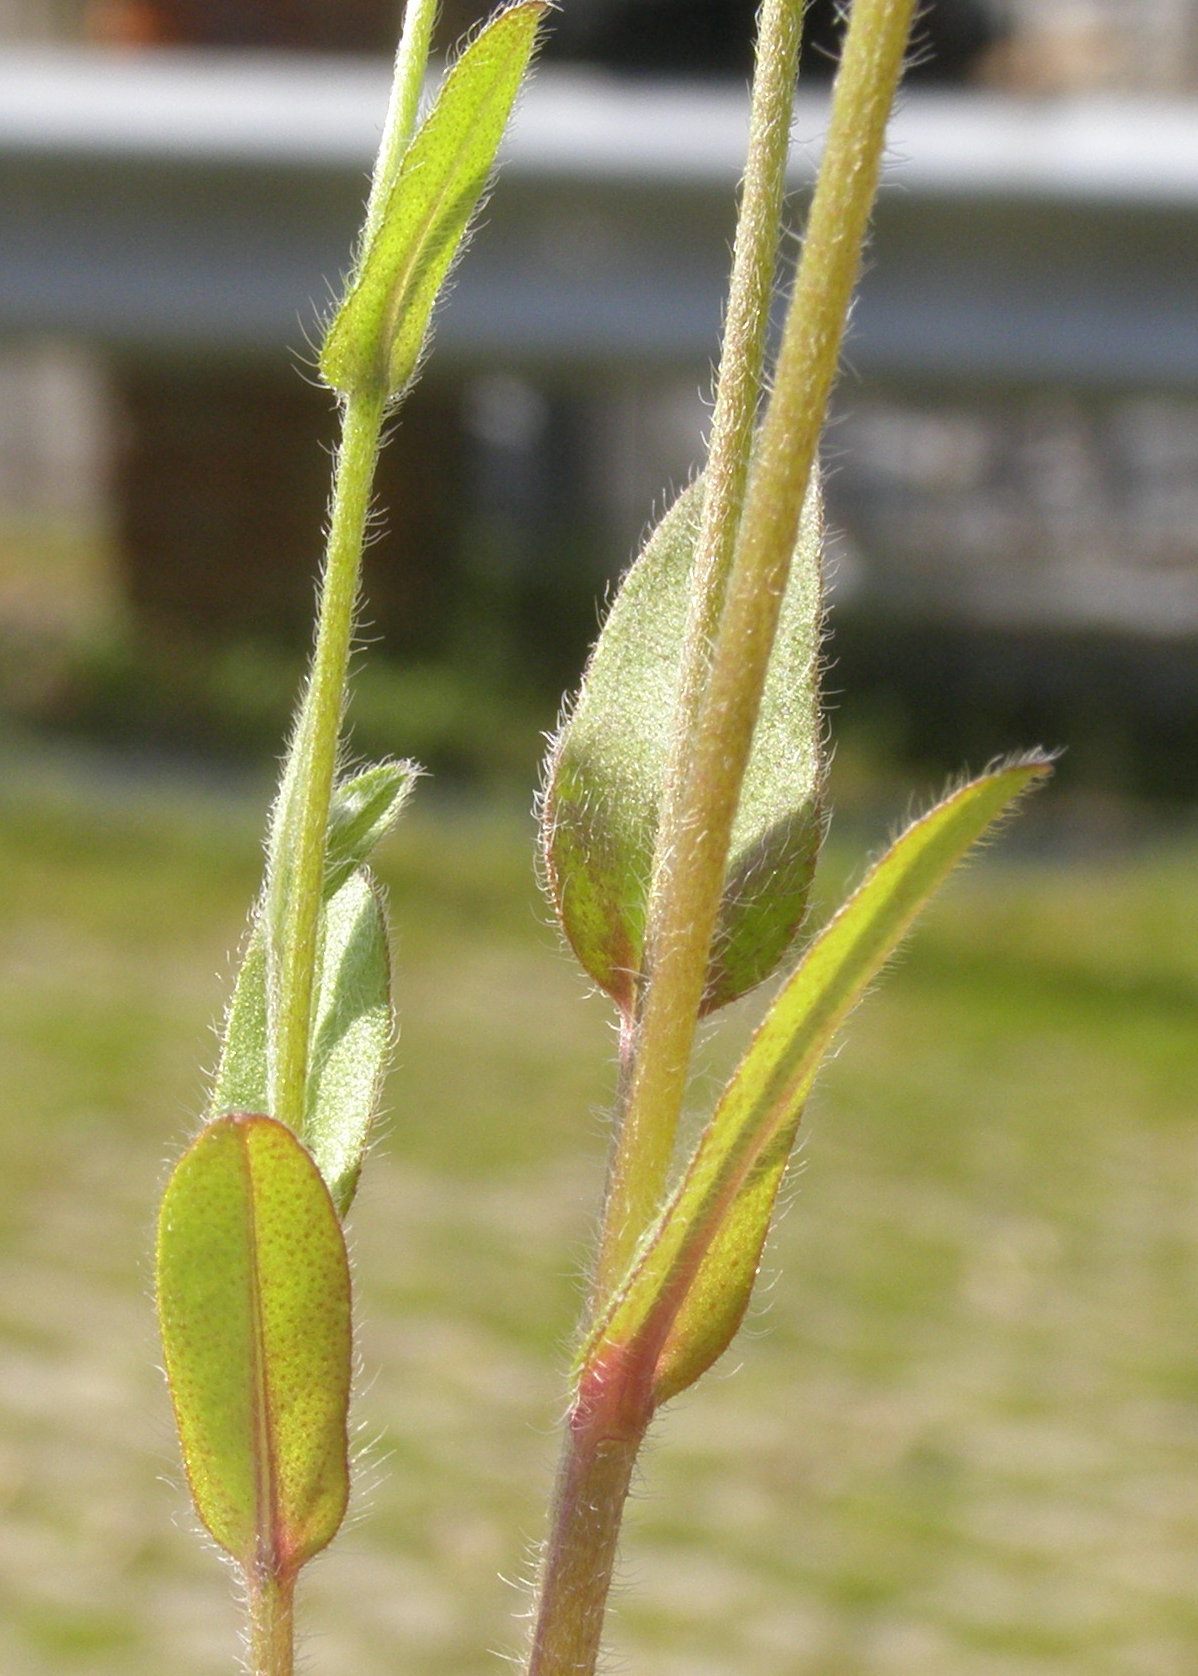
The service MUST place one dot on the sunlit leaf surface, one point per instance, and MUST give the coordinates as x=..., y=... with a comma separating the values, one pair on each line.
x=689, y=1285
x=254, y=1309
x=377, y=336
x=607, y=773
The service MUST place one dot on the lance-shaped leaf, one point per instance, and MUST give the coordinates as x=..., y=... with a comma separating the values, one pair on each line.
x=607, y=770
x=351, y=1036
x=689, y=1284
x=376, y=338
x=242, y=1080
x=364, y=809
x=254, y=1307
x=354, y=1023
x=352, y=1031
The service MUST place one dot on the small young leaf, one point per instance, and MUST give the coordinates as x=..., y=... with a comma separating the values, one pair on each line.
x=687, y=1289
x=254, y=1307
x=352, y=1035
x=363, y=811
x=606, y=773
x=242, y=1080
x=376, y=338
x=354, y=1021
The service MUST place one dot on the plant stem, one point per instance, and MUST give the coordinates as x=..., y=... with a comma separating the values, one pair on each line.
x=399, y=124
x=645, y=1133
x=693, y=847
x=299, y=828
x=589, y=1497
x=742, y=359
x=272, y=1625
x=741, y=609
x=836, y=228
x=744, y=567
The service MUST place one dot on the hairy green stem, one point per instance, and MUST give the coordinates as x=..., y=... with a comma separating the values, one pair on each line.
x=299, y=826
x=271, y=1625
x=744, y=568
x=742, y=359
x=411, y=63
x=645, y=1131
x=693, y=847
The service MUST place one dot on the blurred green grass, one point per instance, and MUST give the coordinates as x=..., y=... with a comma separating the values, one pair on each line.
x=960, y=1435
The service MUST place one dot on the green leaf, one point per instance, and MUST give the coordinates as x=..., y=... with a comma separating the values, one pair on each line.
x=778, y=826
x=354, y=1022
x=607, y=769
x=254, y=1307
x=363, y=811
x=352, y=1032
x=352, y=1035
x=242, y=1081
x=376, y=338
x=689, y=1284
x=717, y=1299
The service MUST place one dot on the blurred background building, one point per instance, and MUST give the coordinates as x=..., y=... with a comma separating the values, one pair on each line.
x=1016, y=523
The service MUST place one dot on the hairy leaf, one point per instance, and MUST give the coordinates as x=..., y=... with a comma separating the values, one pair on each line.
x=364, y=809
x=352, y=1031
x=376, y=338
x=353, y=1023
x=688, y=1287
x=242, y=1081
x=607, y=771
x=351, y=1036
x=254, y=1307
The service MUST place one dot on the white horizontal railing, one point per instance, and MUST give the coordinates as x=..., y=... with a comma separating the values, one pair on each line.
x=204, y=202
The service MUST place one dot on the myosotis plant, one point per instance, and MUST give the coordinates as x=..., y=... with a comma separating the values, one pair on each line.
x=681, y=818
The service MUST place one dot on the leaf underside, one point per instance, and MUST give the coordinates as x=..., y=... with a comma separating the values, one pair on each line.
x=254, y=1307
x=352, y=1034
x=606, y=773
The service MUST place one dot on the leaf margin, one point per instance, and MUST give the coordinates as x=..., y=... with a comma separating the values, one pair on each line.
x=646, y=1307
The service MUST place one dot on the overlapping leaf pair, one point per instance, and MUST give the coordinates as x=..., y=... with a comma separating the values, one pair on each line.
x=379, y=332
x=685, y=1293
